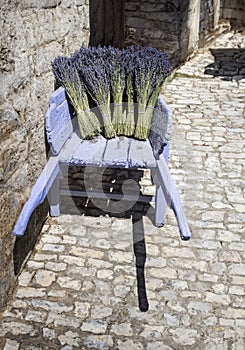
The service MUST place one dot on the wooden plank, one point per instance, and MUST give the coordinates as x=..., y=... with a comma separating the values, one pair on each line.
x=141, y=155
x=160, y=207
x=56, y=117
x=89, y=152
x=160, y=200
x=68, y=149
x=51, y=118
x=58, y=96
x=38, y=194
x=54, y=198
x=160, y=126
x=172, y=197
x=58, y=126
x=104, y=195
x=116, y=152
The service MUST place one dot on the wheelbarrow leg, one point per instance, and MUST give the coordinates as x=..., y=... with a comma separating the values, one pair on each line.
x=54, y=198
x=38, y=194
x=160, y=207
x=172, y=197
x=160, y=202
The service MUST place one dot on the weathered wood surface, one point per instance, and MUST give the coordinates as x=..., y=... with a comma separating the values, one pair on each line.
x=172, y=197
x=89, y=152
x=160, y=126
x=141, y=155
x=110, y=195
x=59, y=128
x=121, y=152
x=116, y=152
x=57, y=97
x=72, y=143
x=58, y=121
x=38, y=194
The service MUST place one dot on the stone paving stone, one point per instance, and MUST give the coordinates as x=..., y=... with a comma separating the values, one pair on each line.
x=70, y=338
x=98, y=342
x=62, y=320
x=94, y=326
x=129, y=344
x=158, y=346
x=30, y=292
x=11, y=345
x=78, y=289
x=36, y=316
x=45, y=278
x=25, y=278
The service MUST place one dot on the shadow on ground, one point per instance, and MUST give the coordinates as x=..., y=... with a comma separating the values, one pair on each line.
x=112, y=182
x=228, y=64
x=25, y=244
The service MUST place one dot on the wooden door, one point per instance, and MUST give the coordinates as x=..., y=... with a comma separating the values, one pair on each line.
x=107, y=22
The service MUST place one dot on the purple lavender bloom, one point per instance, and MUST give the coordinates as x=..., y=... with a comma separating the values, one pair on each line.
x=68, y=77
x=98, y=87
x=150, y=68
x=134, y=74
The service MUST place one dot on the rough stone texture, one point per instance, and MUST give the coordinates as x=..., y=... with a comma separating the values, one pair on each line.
x=233, y=10
x=209, y=19
x=180, y=27
x=195, y=289
x=229, y=63
x=155, y=23
x=32, y=34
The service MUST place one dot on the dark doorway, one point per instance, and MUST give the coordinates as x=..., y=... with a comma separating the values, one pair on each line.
x=107, y=22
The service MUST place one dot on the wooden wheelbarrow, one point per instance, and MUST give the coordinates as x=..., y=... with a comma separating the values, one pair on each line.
x=67, y=148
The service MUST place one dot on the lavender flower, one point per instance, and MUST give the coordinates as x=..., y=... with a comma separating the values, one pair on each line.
x=67, y=76
x=128, y=62
x=98, y=87
x=133, y=75
x=151, y=69
x=116, y=75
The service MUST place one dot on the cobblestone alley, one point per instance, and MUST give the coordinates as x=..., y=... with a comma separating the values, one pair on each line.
x=78, y=289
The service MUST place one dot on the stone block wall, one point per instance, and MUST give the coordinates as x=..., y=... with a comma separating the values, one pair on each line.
x=33, y=33
x=155, y=23
x=179, y=27
x=172, y=26
x=234, y=11
x=209, y=19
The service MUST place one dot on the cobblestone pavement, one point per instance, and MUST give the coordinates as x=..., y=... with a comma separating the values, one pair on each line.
x=78, y=289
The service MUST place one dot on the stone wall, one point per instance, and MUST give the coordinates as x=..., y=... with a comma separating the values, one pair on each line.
x=234, y=11
x=179, y=27
x=155, y=23
x=209, y=19
x=33, y=33
x=172, y=26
